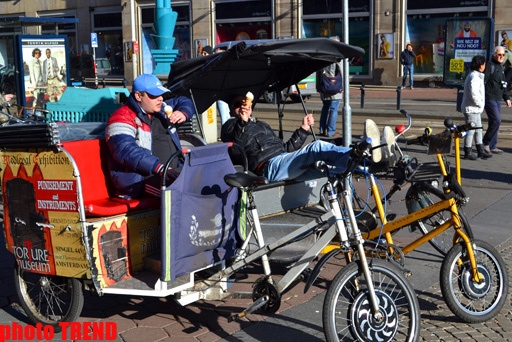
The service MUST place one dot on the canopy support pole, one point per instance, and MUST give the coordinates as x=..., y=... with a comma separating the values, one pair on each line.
x=198, y=118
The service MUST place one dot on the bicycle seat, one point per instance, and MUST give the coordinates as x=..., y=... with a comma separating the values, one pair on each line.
x=243, y=180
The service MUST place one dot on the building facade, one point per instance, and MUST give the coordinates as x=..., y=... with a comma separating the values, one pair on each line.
x=381, y=27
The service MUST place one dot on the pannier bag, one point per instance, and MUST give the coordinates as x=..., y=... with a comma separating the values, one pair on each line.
x=200, y=213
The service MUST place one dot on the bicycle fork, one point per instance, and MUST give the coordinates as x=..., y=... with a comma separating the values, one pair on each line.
x=358, y=240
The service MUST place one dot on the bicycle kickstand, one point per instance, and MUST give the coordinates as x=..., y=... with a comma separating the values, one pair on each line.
x=253, y=307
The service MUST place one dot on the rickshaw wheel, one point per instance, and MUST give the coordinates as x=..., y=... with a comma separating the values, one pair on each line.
x=49, y=299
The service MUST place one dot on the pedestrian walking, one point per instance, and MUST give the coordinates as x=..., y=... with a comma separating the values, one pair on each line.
x=329, y=84
x=495, y=91
x=406, y=59
x=473, y=103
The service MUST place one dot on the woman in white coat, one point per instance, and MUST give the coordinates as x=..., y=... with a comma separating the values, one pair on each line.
x=473, y=103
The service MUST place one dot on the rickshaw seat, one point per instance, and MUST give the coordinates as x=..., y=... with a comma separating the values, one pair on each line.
x=97, y=188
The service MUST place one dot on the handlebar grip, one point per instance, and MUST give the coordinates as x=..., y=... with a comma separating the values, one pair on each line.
x=323, y=166
x=465, y=127
x=361, y=147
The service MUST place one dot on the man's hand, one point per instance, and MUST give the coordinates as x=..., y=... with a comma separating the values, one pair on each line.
x=177, y=117
x=245, y=112
x=307, y=122
x=509, y=103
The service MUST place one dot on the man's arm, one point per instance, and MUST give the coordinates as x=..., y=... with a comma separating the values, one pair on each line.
x=183, y=109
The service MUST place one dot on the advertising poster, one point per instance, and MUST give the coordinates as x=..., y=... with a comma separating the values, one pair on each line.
x=465, y=38
x=44, y=68
x=386, y=43
x=41, y=220
x=118, y=250
x=504, y=37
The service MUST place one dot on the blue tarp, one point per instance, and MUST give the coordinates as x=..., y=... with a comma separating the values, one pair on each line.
x=199, y=213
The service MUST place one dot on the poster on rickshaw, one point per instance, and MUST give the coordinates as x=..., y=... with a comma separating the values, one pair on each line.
x=465, y=38
x=44, y=71
x=41, y=220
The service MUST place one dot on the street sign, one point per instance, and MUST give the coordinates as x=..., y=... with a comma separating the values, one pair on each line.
x=135, y=46
x=94, y=40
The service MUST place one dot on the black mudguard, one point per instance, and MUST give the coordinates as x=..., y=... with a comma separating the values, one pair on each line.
x=318, y=268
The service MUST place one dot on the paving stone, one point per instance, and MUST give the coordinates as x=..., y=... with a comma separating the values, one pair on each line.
x=144, y=334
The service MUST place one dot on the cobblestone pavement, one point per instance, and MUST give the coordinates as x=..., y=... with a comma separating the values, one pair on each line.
x=439, y=324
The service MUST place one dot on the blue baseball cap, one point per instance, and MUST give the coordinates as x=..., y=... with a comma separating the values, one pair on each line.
x=150, y=84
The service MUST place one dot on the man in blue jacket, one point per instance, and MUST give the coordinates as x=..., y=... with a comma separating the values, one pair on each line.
x=407, y=60
x=141, y=138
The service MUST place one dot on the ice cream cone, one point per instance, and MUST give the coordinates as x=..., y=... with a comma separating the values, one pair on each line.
x=249, y=97
x=167, y=111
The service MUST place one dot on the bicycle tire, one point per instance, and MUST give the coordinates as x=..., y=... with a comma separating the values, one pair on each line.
x=468, y=300
x=49, y=299
x=346, y=305
x=418, y=199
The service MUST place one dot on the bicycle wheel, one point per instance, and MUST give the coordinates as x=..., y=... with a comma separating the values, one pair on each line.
x=470, y=301
x=49, y=299
x=419, y=199
x=347, y=313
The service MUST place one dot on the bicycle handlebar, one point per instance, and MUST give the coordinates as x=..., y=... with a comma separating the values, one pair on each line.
x=448, y=123
x=422, y=139
x=359, y=151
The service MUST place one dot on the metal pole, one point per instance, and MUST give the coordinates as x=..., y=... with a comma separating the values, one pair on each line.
x=95, y=70
x=305, y=109
x=347, y=111
x=134, y=55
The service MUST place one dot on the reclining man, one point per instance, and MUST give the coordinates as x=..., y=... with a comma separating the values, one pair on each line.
x=141, y=138
x=269, y=156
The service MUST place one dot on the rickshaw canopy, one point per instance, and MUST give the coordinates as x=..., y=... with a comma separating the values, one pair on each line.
x=271, y=66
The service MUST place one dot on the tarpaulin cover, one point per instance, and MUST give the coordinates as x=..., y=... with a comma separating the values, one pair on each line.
x=199, y=213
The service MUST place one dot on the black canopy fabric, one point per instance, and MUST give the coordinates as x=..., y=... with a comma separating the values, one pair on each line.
x=270, y=66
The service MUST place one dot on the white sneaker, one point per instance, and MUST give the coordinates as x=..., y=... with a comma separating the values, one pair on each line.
x=389, y=147
x=371, y=130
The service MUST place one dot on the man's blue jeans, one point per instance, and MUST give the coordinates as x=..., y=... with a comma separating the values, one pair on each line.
x=408, y=69
x=292, y=165
x=329, y=116
x=493, y=110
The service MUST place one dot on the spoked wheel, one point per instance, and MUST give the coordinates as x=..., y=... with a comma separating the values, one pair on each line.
x=443, y=242
x=347, y=313
x=49, y=299
x=472, y=301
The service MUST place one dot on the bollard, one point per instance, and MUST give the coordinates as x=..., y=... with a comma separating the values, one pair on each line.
x=398, y=97
x=362, y=95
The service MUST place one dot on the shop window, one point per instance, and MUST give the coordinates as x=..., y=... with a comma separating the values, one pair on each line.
x=427, y=33
x=359, y=36
x=430, y=4
x=108, y=20
x=250, y=31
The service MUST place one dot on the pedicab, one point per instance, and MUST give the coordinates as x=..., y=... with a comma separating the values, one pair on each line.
x=68, y=231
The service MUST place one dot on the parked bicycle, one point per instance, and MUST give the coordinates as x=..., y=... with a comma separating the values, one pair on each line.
x=473, y=276
x=369, y=299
